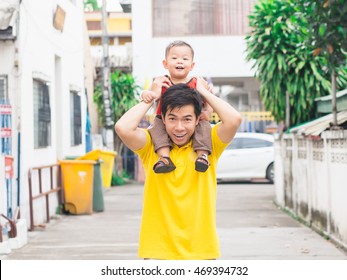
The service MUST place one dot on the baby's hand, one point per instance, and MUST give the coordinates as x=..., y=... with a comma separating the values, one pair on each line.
x=160, y=82
x=148, y=96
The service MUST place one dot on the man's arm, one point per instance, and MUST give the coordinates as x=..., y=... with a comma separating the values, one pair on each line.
x=231, y=119
x=127, y=126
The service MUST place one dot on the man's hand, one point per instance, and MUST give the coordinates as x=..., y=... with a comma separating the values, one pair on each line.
x=202, y=84
x=205, y=115
x=230, y=118
x=207, y=110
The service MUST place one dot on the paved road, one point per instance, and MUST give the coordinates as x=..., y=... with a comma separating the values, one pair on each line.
x=250, y=227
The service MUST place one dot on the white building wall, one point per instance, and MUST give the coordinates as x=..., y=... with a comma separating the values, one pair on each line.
x=7, y=56
x=55, y=57
x=215, y=56
x=142, y=41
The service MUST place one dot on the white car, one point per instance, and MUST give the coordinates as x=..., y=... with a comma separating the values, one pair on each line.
x=249, y=156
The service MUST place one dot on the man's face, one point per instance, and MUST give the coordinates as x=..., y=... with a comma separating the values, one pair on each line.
x=180, y=124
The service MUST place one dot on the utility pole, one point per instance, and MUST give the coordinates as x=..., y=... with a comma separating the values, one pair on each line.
x=333, y=98
x=106, y=83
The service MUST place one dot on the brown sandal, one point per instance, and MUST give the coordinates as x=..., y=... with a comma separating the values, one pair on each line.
x=202, y=163
x=164, y=165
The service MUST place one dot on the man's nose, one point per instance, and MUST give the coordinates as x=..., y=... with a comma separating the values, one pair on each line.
x=179, y=125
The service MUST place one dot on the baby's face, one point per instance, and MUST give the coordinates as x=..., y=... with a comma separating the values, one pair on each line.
x=179, y=62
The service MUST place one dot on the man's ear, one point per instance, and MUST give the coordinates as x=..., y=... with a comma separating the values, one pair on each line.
x=163, y=118
x=197, y=121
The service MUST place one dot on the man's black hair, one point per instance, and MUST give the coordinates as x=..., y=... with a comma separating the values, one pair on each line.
x=180, y=95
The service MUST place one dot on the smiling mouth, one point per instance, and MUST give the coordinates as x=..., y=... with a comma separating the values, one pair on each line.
x=179, y=137
x=179, y=67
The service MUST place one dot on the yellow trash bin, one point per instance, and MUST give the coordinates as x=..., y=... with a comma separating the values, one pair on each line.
x=107, y=158
x=77, y=177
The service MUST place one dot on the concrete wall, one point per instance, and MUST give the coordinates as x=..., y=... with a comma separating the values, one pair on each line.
x=89, y=76
x=55, y=57
x=310, y=180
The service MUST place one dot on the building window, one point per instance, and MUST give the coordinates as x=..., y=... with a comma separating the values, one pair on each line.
x=42, y=115
x=3, y=90
x=123, y=40
x=95, y=41
x=94, y=25
x=76, y=119
x=201, y=17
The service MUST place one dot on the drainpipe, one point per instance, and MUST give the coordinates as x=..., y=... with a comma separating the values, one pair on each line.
x=18, y=170
x=18, y=108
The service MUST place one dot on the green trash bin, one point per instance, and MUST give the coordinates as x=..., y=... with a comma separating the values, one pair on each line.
x=98, y=195
x=71, y=157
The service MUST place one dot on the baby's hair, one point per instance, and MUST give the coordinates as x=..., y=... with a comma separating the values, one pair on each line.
x=178, y=44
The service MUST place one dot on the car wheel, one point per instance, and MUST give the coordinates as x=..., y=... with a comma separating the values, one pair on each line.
x=270, y=173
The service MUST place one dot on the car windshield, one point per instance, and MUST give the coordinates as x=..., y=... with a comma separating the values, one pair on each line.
x=248, y=143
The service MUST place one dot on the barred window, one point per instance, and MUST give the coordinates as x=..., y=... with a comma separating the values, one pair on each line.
x=76, y=127
x=42, y=115
x=201, y=17
x=3, y=90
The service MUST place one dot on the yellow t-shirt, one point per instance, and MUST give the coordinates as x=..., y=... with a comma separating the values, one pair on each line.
x=179, y=208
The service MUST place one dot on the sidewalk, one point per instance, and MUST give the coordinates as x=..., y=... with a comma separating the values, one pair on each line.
x=250, y=227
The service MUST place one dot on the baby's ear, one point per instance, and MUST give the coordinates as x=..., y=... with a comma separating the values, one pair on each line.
x=192, y=65
x=165, y=63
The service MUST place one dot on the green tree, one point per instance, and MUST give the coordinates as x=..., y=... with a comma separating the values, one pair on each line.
x=124, y=95
x=284, y=64
x=328, y=37
x=91, y=5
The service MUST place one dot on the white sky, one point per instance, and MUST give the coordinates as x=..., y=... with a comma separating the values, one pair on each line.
x=112, y=5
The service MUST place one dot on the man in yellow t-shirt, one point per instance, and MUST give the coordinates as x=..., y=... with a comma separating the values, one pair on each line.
x=179, y=208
